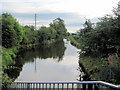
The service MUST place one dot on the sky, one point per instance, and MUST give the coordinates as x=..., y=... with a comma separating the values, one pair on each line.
x=73, y=12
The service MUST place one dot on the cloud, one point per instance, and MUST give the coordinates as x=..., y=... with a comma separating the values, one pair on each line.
x=73, y=12
x=88, y=8
x=44, y=18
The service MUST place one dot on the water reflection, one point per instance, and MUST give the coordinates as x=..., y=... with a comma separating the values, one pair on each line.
x=55, y=51
x=58, y=62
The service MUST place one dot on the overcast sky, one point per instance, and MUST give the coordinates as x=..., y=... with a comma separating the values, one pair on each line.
x=73, y=12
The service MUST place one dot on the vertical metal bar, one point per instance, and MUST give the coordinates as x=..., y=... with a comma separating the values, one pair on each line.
x=84, y=86
x=46, y=86
x=100, y=86
x=58, y=86
x=21, y=85
x=33, y=86
x=93, y=87
x=43, y=85
x=67, y=86
x=25, y=85
x=39, y=86
x=28, y=86
x=53, y=86
x=72, y=86
x=96, y=86
x=87, y=87
x=78, y=86
x=17, y=85
x=62, y=86
x=90, y=86
x=36, y=85
x=50, y=86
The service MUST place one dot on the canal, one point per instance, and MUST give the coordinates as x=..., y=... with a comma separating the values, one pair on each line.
x=57, y=62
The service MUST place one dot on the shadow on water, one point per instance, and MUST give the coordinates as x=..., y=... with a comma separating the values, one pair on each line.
x=55, y=51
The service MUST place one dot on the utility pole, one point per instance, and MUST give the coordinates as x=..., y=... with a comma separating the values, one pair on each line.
x=35, y=29
x=35, y=20
x=119, y=7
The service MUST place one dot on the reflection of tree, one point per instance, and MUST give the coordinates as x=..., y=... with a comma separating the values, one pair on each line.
x=110, y=74
x=55, y=51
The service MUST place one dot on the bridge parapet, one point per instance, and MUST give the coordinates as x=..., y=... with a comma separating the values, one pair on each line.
x=84, y=85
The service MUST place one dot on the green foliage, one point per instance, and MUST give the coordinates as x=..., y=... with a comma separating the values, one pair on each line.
x=28, y=35
x=12, y=32
x=59, y=26
x=92, y=66
x=101, y=39
x=15, y=37
x=7, y=56
x=73, y=40
x=46, y=34
x=97, y=42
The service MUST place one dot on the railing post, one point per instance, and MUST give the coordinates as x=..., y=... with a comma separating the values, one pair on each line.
x=62, y=86
x=67, y=86
x=72, y=86
x=90, y=86
x=84, y=86
x=28, y=86
x=78, y=86
x=58, y=86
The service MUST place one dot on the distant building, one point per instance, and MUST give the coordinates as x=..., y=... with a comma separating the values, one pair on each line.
x=119, y=7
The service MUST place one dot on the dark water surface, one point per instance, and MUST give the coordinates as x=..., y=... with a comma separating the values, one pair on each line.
x=58, y=62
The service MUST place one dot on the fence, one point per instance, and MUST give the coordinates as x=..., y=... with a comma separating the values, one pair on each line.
x=83, y=85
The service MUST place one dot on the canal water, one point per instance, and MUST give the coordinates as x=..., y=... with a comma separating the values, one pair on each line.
x=58, y=62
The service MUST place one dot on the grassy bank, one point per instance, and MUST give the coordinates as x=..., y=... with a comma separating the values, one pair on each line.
x=73, y=41
x=99, y=69
x=92, y=66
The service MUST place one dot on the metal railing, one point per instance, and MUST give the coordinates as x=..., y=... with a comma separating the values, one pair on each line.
x=83, y=85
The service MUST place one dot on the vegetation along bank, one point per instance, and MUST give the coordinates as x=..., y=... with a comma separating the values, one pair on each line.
x=100, y=47
x=16, y=37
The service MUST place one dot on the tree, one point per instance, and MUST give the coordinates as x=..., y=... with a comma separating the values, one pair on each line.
x=12, y=32
x=103, y=39
x=59, y=26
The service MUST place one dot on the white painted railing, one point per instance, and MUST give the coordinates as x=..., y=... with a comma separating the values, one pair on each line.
x=84, y=85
